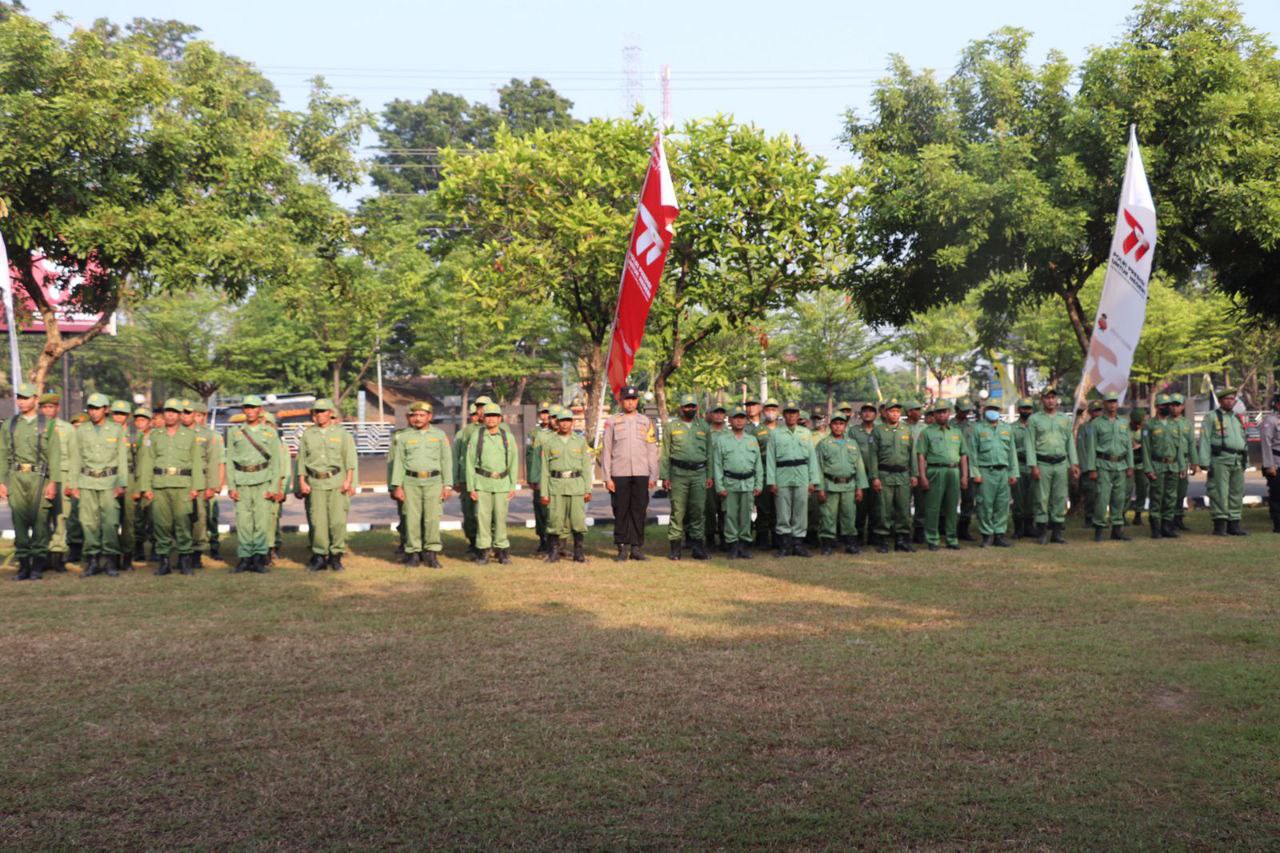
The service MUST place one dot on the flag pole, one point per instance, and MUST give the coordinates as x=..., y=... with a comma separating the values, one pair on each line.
x=15, y=365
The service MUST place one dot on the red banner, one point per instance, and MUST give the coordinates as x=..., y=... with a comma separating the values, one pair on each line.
x=642, y=271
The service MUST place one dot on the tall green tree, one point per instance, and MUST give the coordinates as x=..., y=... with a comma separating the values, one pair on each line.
x=827, y=343
x=942, y=339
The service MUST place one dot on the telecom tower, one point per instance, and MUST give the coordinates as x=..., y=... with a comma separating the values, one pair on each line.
x=631, y=85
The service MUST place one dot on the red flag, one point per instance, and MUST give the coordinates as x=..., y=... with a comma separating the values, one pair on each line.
x=642, y=270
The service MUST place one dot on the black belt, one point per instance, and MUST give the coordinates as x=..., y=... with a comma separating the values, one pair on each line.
x=996, y=467
x=565, y=475
x=1052, y=460
x=249, y=469
x=688, y=466
x=1227, y=451
x=423, y=475
x=171, y=472
x=734, y=475
x=1113, y=457
x=492, y=475
x=941, y=464
x=839, y=480
x=28, y=468
x=790, y=463
x=323, y=475
x=894, y=469
x=105, y=472
x=1167, y=460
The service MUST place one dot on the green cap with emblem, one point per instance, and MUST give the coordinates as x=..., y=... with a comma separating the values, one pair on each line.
x=688, y=400
x=791, y=406
x=719, y=407
x=1111, y=397
x=1223, y=391
x=188, y=405
x=322, y=405
x=251, y=400
x=892, y=403
x=752, y=399
x=991, y=404
x=739, y=412
x=544, y=406
x=26, y=389
x=1049, y=391
x=1163, y=400
x=79, y=418
x=121, y=407
x=844, y=406
x=173, y=404
x=50, y=397
x=562, y=414
x=492, y=409
x=771, y=403
x=98, y=401
x=1025, y=403
x=912, y=405
x=481, y=401
x=964, y=404
x=1177, y=397
x=143, y=412
x=1095, y=405
x=940, y=405
x=839, y=415
x=420, y=406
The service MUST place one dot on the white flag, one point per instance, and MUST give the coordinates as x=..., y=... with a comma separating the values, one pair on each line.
x=6, y=291
x=1123, y=306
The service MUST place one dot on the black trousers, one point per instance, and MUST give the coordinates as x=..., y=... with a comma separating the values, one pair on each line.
x=1273, y=499
x=630, y=500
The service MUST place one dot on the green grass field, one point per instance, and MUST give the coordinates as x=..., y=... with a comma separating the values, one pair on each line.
x=1105, y=695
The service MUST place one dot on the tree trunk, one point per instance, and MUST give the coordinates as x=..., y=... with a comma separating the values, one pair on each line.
x=55, y=345
x=595, y=396
x=831, y=401
x=660, y=390
x=517, y=396
x=466, y=405
x=337, y=385
x=1075, y=313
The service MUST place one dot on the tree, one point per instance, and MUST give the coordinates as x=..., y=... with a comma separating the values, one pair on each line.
x=941, y=339
x=1187, y=333
x=1005, y=172
x=149, y=164
x=827, y=342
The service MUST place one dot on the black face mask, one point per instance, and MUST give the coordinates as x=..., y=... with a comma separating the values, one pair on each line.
x=1023, y=415
x=1164, y=410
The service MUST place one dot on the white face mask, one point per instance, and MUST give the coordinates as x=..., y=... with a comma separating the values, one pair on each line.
x=991, y=415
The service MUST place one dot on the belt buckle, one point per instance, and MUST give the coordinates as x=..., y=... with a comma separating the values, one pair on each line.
x=171, y=472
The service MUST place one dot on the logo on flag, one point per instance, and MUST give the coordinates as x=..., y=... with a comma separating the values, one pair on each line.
x=1135, y=237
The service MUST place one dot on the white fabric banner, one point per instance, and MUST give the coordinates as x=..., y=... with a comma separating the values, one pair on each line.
x=1123, y=306
x=15, y=367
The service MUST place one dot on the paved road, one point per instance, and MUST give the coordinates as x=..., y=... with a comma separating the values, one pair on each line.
x=379, y=509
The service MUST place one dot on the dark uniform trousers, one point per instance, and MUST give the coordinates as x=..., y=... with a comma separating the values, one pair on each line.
x=630, y=500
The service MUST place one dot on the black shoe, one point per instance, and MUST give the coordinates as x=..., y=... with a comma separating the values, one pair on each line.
x=933, y=547
x=1098, y=533
x=413, y=560
x=1156, y=533
x=112, y=565
x=241, y=567
x=74, y=555
x=163, y=568
x=743, y=553
x=316, y=563
x=963, y=534
x=900, y=544
x=196, y=561
x=1234, y=528
x=1167, y=531
x=1137, y=518
x=1118, y=534
x=851, y=545
x=126, y=562
x=1042, y=533
x=543, y=545
x=1056, y=537
x=431, y=560
x=1219, y=527
x=827, y=550
x=882, y=546
x=986, y=541
x=782, y=545
x=90, y=564
x=621, y=556
x=798, y=549
x=675, y=550
x=1018, y=528
x=335, y=563
x=580, y=556
x=57, y=561
x=24, y=569
x=37, y=567
x=1000, y=542
x=258, y=564
x=553, y=550
x=637, y=553
x=140, y=554
x=213, y=550
x=186, y=564
x=481, y=557
x=699, y=552
x=504, y=556
x=917, y=537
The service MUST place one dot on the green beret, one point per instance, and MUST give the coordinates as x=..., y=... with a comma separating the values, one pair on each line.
x=322, y=405
x=251, y=400
x=26, y=389
x=98, y=401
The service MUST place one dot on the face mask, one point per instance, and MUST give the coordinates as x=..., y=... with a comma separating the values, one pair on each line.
x=770, y=416
x=991, y=415
x=1024, y=415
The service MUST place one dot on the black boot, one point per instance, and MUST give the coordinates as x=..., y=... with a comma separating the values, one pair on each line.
x=197, y=561
x=1155, y=527
x=1167, y=531
x=782, y=545
x=1137, y=518
x=827, y=548
x=90, y=564
x=962, y=531
x=621, y=556
x=1056, y=537
x=987, y=539
x=126, y=562
x=335, y=563
x=851, y=545
x=900, y=543
x=553, y=549
x=1118, y=534
x=74, y=555
x=140, y=553
x=186, y=565
x=316, y=563
x=1097, y=533
x=241, y=567
x=676, y=546
x=882, y=544
x=163, y=568
x=431, y=560
x=37, y=567
x=917, y=536
x=24, y=569
x=413, y=560
x=1234, y=528
x=637, y=553
x=57, y=561
x=743, y=552
x=1042, y=533
x=481, y=557
x=999, y=541
x=699, y=552
x=1018, y=527
x=543, y=544
x=1219, y=527
x=213, y=550
x=504, y=556
x=112, y=562
x=580, y=556
x=258, y=564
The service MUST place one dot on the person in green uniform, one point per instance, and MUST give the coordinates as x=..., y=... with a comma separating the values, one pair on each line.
x=1108, y=464
x=713, y=513
x=65, y=538
x=942, y=459
x=1024, y=491
x=284, y=482
x=844, y=478
x=1088, y=488
x=172, y=475
x=401, y=525
x=1138, y=420
x=791, y=469
x=993, y=471
x=818, y=430
x=143, y=531
x=99, y=475
x=737, y=473
x=326, y=473
x=863, y=432
x=1165, y=462
x=251, y=460
x=533, y=476
x=916, y=423
x=964, y=422
x=565, y=467
x=421, y=473
x=121, y=413
x=492, y=468
x=766, y=517
x=205, y=531
x=1224, y=453
x=465, y=502
x=892, y=470
x=1051, y=458
x=684, y=466
x=30, y=451
x=1187, y=427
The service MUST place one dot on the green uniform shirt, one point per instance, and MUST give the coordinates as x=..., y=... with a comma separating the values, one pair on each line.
x=23, y=441
x=1221, y=435
x=891, y=446
x=533, y=455
x=211, y=450
x=1107, y=445
x=1162, y=446
x=992, y=445
x=565, y=464
x=492, y=461
x=135, y=456
x=942, y=445
x=422, y=451
x=789, y=459
x=242, y=454
x=96, y=450
x=1050, y=435
x=460, y=439
x=67, y=442
x=1188, y=431
x=326, y=450
x=687, y=442
x=736, y=465
x=171, y=461
x=1019, y=428
x=840, y=459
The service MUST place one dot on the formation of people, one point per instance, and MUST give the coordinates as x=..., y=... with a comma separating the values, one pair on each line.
x=103, y=487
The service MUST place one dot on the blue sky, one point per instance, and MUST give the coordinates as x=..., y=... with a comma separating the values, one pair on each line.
x=789, y=67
